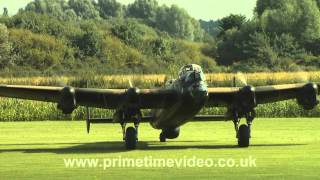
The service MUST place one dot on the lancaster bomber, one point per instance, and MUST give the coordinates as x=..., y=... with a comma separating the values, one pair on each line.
x=172, y=106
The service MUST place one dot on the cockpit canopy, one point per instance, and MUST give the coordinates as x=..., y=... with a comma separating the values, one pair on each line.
x=190, y=67
x=187, y=70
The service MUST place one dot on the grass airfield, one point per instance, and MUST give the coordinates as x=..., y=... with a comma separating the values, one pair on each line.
x=283, y=148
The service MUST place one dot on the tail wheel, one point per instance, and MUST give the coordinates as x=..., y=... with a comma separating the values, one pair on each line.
x=162, y=137
x=131, y=138
x=243, y=136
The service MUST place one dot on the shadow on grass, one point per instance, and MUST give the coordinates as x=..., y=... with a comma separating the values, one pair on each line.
x=118, y=146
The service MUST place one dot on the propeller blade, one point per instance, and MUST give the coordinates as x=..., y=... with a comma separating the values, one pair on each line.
x=240, y=80
x=88, y=120
x=130, y=83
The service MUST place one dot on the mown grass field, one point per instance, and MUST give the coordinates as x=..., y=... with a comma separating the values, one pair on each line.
x=283, y=148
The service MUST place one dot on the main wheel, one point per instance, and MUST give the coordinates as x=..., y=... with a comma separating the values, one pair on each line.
x=162, y=137
x=243, y=136
x=131, y=138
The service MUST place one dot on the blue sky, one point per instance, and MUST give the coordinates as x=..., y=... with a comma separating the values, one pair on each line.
x=199, y=9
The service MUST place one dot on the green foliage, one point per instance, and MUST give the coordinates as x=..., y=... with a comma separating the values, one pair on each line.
x=286, y=45
x=85, y=9
x=37, y=23
x=109, y=8
x=229, y=49
x=5, y=12
x=104, y=36
x=160, y=46
x=263, y=5
x=230, y=22
x=313, y=46
x=5, y=47
x=128, y=33
x=282, y=33
x=177, y=22
x=37, y=51
x=259, y=48
x=144, y=9
x=211, y=27
x=50, y=7
x=89, y=43
x=300, y=18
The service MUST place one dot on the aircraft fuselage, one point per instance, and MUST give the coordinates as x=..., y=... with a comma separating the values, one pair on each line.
x=193, y=94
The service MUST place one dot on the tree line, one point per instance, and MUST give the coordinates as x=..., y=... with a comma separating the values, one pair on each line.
x=58, y=36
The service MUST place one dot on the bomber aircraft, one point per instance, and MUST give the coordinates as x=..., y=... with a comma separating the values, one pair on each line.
x=174, y=105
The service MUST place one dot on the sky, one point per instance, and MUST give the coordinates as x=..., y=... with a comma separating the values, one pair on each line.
x=199, y=9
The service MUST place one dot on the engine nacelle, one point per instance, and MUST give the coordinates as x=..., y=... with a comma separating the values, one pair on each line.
x=67, y=103
x=171, y=133
x=132, y=99
x=307, y=96
x=246, y=99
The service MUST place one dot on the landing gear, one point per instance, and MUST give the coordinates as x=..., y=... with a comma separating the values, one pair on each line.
x=162, y=137
x=243, y=133
x=131, y=138
x=243, y=136
x=130, y=135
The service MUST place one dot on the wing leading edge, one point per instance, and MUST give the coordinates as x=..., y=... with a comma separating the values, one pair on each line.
x=100, y=98
x=158, y=98
x=225, y=97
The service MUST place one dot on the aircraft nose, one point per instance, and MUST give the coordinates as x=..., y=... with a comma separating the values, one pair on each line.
x=193, y=77
x=199, y=90
x=197, y=76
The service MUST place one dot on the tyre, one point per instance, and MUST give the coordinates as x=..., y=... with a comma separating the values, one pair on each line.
x=162, y=137
x=131, y=138
x=244, y=136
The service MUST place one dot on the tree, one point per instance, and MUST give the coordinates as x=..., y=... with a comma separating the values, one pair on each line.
x=110, y=8
x=313, y=47
x=54, y=8
x=231, y=21
x=300, y=18
x=318, y=3
x=259, y=48
x=177, y=22
x=144, y=9
x=128, y=33
x=5, y=47
x=38, y=51
x=70, y=15
x=229, y=50
x=85, y=9
x=263, y=5
x=160, y=46
x=211, y=27
x=88, y=42
x=5, y=12
x=38, y=23
x=286, y=45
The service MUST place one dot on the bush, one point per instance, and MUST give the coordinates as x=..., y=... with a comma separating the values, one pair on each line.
x=37, y=51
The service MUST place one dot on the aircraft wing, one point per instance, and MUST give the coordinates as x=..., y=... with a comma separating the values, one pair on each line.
x=100, y=98
x=115, y=98
x=226, y=97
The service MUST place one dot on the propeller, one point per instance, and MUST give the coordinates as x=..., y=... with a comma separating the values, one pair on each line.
x=88, y=114
x=130, y=83
x=302, y=77
x=88, y=120
x=239, y=79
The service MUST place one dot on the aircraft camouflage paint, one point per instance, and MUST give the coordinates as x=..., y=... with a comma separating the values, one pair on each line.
x=176, y=104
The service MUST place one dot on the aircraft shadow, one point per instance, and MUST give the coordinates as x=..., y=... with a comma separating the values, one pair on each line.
x=118, y=146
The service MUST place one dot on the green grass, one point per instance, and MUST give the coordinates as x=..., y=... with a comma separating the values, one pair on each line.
x=284, y=149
